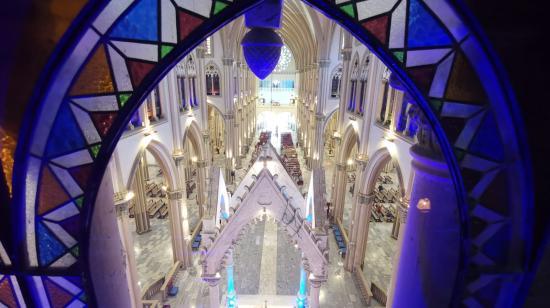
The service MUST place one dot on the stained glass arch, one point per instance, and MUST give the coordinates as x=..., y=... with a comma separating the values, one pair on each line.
x=111, y=59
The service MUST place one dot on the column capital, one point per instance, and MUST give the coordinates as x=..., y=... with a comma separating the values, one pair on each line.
x=228, y=116
x=403, y=209
x=340, y=166
x=227, y=61
x=121, y=209
x=323, y=63
x=201, y=163
x=320, y=117
x=212, y=281
x=201, y=51
x=175, y=194
x=362, y=159
x=346, y=54
x=178, y=157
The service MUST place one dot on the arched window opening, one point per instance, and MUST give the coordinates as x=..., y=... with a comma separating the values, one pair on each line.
x=407, y=123
x=336, y=83
x=385, y=109
x=364, y=79
x=212, y=80
x=192, y=75
x=353, y=86
x=181, y=88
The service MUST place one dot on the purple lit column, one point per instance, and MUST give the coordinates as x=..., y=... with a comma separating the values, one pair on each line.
x=430, y=253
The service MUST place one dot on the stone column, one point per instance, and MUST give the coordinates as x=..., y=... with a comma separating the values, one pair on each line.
x=107, y=255
x=229, y=119
x=360, y=231
x=175, y=202
x=238, y=118
x=426, y=275
x=180, y=201
x=203, y=104
x=121, y=207
x=314, y=291
x=322, y=97
x=339, y=191
x=201, y=186
x=339, y=182
x=214, y=291
x=402, y=210
x=140, y=200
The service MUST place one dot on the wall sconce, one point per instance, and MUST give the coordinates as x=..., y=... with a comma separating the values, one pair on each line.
x=164, y=188
x=194, y=159
x=129, y=196
x=424, y=205
x=350, y=162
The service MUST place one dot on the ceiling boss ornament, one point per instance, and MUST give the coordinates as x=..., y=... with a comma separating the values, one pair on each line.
x=262, y=45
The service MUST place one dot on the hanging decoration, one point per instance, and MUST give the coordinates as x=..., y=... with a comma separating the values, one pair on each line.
x=262, y=45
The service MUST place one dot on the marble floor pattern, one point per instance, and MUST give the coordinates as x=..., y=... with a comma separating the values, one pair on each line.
x=381, y=249
x=153, y=251
x=338, y=292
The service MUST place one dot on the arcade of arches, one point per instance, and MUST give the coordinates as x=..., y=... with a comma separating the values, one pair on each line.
x=211, y=113
x=323, y=185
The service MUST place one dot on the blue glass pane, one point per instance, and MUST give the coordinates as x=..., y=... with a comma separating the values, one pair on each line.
x=140, y=23
x=65, y=136
x=424, y=30
x=49, y=247
x=485, y=143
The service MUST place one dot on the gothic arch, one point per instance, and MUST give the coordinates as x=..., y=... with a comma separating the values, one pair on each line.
x=376, y=163
x=447, y=70
x=350, y=138
x=163, y=157
x=193, y=134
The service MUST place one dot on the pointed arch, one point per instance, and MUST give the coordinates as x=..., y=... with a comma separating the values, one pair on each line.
x=349, y=140
x=162, y=156
x=435, y=67
x=193, y=134
x=374, y=167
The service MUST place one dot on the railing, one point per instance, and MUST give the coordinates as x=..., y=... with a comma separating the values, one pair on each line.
x=151, y=303
x=378, y=294
x=152, y=289
x=169, y=280
x=363, y=286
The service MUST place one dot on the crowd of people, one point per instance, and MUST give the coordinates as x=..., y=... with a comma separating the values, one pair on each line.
x=289, y=157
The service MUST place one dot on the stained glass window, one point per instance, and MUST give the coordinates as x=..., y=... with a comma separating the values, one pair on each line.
x=336, y=83
x=212, y=80
x=181, y=88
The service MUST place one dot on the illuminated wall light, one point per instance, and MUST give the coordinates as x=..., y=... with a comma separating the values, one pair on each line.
x=424, y=205
x=129, y=196
x=350, y=162
x=194, y=159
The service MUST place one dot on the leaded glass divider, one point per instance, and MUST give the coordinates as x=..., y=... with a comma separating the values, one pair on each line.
x=116, y=59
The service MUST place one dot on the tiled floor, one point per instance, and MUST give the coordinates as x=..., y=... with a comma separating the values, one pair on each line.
x=153, y=251
x=280, y=272
x=381, y=248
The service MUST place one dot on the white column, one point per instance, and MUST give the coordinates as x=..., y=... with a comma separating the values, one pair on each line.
x=314, y=291
x=322, y=90
x=121, y=205
x=402, y=210
x=175, y=202
x=186, y=234
x=214, y=291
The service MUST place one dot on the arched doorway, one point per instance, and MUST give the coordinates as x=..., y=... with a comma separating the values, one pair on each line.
x=461, y=92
